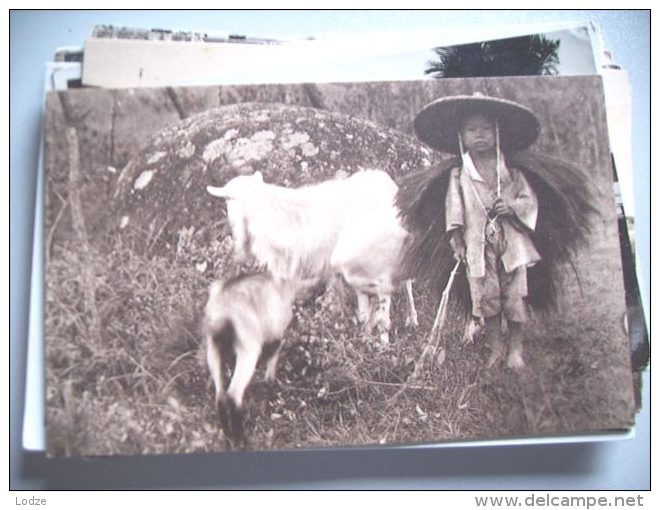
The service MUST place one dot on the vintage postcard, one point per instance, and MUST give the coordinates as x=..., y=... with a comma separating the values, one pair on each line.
x=324, y=265
x=124, y=57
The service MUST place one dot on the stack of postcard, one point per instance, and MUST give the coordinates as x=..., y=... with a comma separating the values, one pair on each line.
x=260, y=244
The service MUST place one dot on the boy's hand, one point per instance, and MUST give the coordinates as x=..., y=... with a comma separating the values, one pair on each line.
x=501, y=207
x=458, y=245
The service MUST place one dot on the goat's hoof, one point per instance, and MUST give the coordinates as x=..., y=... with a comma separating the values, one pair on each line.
x=412, y=322
x=515, y=361
x=231, y=419
x=493, y=359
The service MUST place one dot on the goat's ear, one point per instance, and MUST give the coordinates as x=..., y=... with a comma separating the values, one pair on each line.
x=258, y=176
x=218, y=192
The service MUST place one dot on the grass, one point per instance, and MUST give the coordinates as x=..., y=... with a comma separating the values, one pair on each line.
x=139, y=384
x=143, y=387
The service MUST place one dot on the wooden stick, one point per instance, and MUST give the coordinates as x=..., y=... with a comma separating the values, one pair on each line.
x=439, y=321
x=497, y=165
x=87, y=270
x=441, y=315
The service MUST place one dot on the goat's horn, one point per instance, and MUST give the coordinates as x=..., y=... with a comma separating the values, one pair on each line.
x=218, y=191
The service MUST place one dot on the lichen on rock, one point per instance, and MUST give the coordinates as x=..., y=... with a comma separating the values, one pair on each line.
x=163, y=189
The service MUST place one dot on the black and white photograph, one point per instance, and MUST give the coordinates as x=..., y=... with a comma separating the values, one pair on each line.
x=257, y=267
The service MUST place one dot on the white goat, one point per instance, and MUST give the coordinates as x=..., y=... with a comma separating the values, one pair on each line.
x=343, y=226
x=368, y=257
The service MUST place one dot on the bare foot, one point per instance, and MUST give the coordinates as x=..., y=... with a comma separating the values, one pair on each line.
x=515, y=360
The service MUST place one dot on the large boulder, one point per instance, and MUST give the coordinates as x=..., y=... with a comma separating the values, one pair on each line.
x=162, y=191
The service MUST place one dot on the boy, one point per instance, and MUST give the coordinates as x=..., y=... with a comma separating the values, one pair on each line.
x=490, y=211
x=497, y=207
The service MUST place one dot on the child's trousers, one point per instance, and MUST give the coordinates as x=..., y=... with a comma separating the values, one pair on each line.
x=498, y=291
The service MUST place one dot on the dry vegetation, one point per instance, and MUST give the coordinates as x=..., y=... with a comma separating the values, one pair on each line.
x=143, y=386
x=129, y=378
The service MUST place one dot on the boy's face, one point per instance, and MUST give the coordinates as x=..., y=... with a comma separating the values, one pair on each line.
x=478, y=134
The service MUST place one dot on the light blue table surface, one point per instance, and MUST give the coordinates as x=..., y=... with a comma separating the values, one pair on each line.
x=610, y=465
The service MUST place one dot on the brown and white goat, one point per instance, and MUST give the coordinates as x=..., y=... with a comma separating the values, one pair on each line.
x=245, y=318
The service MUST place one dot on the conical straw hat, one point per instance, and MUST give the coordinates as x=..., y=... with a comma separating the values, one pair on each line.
x=439, y=122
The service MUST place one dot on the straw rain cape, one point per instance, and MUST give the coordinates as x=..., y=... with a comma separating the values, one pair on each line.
x=565, y=206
